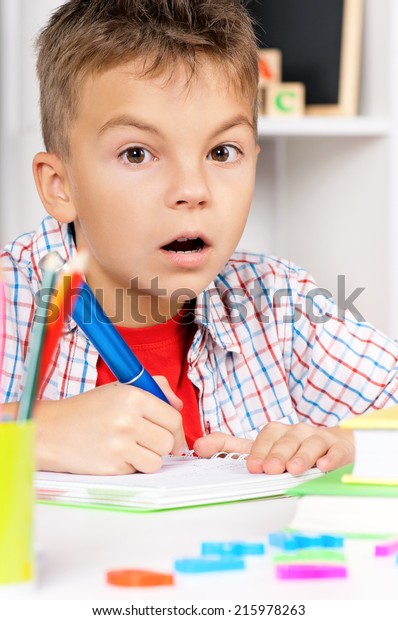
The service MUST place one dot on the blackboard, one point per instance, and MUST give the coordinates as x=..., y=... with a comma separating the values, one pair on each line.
x=320, y=44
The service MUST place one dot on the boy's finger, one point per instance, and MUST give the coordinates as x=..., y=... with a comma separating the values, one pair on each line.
x=180, y=443
x=221, y=442
x=144, y=460
x=263, y=446
x=155, y=438
x=168, y=392
x=160, y=436
x=308, y=453
x=338, y=455
x=166, y=417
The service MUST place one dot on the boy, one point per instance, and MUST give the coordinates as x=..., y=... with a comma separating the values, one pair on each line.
x=149, y=121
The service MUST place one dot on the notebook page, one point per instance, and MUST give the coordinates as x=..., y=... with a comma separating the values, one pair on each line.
x=182, y=481
x=177, y=473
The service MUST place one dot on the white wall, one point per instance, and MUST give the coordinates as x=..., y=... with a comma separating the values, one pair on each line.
x=20, y=207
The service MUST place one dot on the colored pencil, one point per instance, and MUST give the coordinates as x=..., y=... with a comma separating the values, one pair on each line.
x=63, y=300
x=51, y=268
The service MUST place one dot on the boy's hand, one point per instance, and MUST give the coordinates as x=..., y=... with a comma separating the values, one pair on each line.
x=279, y=447
x=112, y=429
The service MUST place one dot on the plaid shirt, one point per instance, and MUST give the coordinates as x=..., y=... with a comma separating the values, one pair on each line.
x=265, y=348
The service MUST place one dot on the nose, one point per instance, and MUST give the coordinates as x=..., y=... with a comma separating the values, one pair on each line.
x=187, y=186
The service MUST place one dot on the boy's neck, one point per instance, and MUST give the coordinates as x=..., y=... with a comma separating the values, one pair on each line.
x=130, y=308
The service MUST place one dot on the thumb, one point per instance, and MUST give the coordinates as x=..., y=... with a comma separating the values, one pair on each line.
x=180, y=445
x=221, y=442
x=168, y=392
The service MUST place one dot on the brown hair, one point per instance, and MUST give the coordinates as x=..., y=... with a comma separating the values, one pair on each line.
x=85, y=37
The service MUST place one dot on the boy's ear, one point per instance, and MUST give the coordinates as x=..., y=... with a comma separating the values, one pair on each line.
x=52, y=185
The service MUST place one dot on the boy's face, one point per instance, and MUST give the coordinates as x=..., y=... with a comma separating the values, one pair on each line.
x=155, y=162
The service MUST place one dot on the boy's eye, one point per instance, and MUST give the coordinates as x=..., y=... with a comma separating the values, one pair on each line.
x=135, y=155
x=224, y=153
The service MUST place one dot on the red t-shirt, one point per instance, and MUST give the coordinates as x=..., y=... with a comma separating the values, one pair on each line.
x=163, y=349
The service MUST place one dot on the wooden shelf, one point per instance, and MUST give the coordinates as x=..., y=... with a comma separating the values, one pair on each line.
x=356, y=126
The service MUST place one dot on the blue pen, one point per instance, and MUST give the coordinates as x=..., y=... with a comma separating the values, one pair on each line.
x=91, y=318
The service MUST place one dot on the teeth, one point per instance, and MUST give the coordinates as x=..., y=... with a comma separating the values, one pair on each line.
x=182, y=251
x=183, y=239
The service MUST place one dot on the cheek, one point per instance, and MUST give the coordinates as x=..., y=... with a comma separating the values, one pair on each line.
x=236, y=203
x=108, y=203
x=110, y=228
x=236, y=198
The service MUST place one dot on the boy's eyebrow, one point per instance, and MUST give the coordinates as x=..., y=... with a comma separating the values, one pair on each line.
x=125, y=120
x=235, y=121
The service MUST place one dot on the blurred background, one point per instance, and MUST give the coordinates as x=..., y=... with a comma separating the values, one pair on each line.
x=327, y=188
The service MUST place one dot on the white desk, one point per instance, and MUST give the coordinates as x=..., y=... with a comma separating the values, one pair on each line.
x=79, y=546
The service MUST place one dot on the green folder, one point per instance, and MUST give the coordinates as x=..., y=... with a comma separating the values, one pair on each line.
x=331, y=484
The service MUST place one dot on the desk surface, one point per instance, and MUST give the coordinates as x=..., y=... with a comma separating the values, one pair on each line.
x=78, y=546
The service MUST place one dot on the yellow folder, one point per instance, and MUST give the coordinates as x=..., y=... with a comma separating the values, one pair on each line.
x=383, y=419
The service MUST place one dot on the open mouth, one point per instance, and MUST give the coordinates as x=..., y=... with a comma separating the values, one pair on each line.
x=183, y=245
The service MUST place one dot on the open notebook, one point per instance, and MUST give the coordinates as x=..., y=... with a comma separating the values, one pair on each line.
x=182, y=481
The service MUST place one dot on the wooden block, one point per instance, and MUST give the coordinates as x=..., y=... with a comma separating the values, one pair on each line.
x=269, y=66
x=262, y=98
x=285, y=99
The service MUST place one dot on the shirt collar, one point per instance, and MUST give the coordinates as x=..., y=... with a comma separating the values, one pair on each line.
x=213, y=313
x=53, y=236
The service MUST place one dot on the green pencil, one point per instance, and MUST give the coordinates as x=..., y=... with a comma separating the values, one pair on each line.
x=51, y=266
